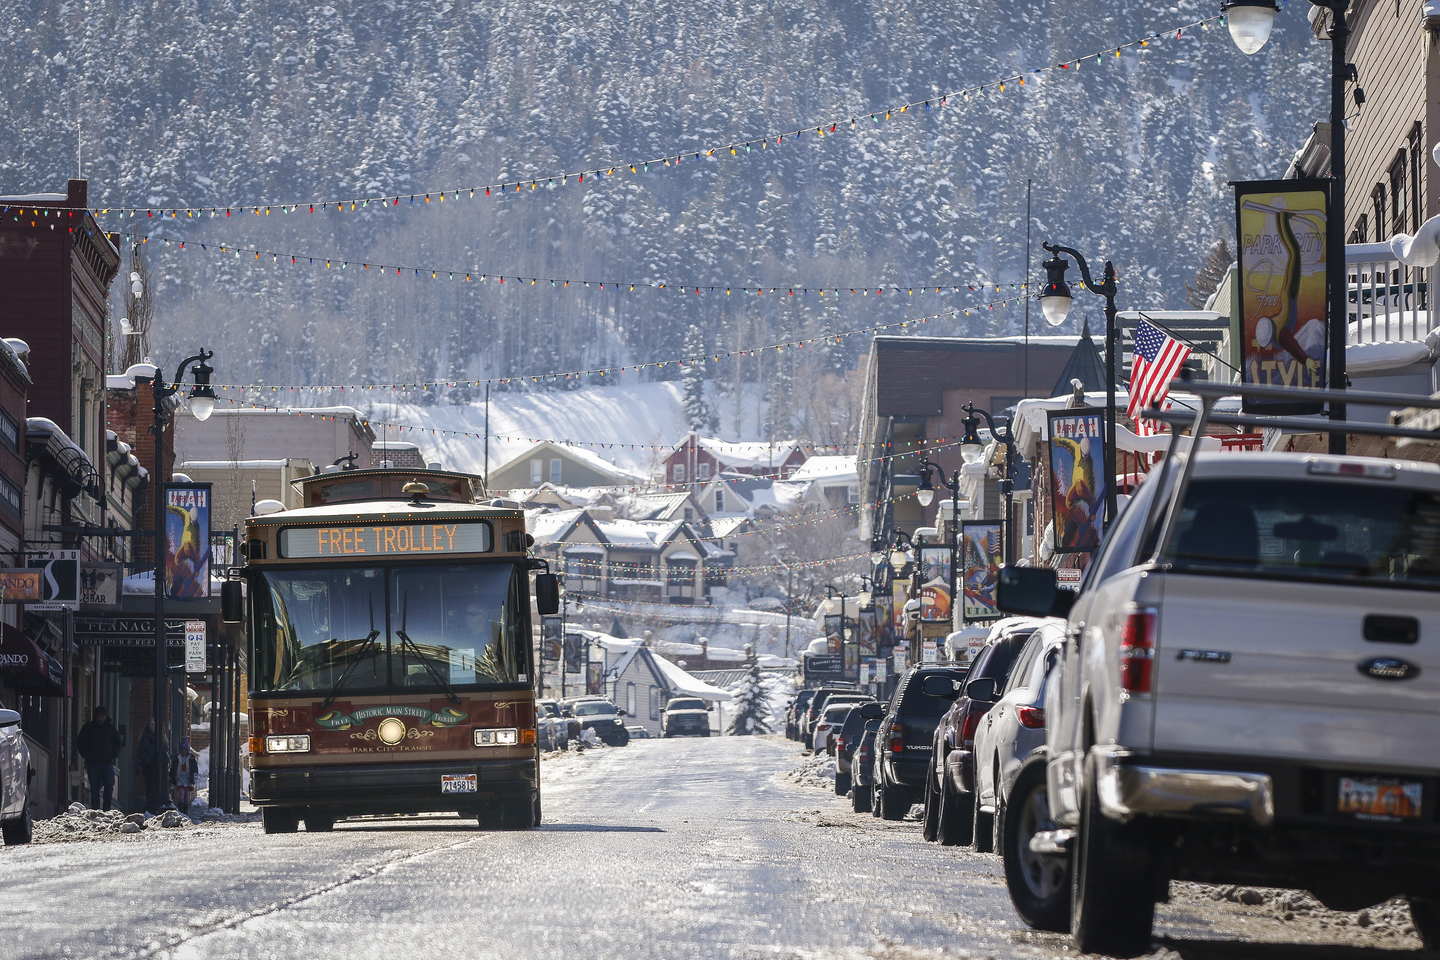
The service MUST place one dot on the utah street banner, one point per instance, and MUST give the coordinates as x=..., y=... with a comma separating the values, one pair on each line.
x=187, y=541
x=1077, y=479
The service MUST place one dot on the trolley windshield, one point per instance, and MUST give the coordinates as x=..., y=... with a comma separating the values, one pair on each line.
x=345, y=630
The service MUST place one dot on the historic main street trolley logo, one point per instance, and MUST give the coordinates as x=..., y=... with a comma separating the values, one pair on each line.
x=335, y=720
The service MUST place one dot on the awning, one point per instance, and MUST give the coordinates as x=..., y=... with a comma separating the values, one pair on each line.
x=27, y=668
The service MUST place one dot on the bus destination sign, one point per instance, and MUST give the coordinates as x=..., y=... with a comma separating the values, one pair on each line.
x=382, y=540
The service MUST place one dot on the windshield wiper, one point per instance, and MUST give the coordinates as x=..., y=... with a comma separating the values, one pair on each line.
x=365, y=645
x=405, y=641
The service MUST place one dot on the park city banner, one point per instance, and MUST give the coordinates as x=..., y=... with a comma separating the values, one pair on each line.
x=979, y=570
x=1077, y=479
x=187, y=541
x=1283, y=329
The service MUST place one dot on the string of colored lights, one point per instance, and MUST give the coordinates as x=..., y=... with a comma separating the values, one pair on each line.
x=568, y=562
x=817, y=130
x=478, y=275
x=837, y=337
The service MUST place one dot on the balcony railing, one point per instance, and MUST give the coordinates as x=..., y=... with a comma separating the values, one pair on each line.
x=1389, y=300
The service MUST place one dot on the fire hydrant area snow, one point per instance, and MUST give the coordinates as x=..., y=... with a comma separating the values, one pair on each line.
x=720, y=847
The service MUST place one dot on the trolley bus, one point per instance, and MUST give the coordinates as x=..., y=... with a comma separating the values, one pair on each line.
x=391, y=667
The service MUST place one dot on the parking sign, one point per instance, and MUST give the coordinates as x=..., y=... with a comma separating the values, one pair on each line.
x=195, y=646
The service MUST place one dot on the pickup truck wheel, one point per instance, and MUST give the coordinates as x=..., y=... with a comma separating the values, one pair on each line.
x=842, y=784
x=1426, y=916
x=931, y=827
x=874, y=789
x=1111, y=905
x=21, y=829
x=982, y=831
x=860, y=799
x=1039, y=883
x=957, y=820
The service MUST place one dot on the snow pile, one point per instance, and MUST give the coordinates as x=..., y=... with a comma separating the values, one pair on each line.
x=816, y=771
x=80, y=823
x=1390, y=919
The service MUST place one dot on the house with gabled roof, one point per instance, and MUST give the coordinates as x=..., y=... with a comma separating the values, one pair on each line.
x=639, y=560
x=697, y=459
x=559, y=465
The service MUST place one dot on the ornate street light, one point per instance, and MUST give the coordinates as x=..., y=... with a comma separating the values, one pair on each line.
x=202, y=400
x=1250, y=22
x=1055, y=297
x=1055, y=268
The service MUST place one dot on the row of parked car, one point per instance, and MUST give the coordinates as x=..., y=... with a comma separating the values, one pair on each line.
x=1242, y=690
x=560, y=722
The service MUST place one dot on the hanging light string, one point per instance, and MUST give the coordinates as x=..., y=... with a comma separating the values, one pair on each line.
x=836, y=337
x=567, y=563
x=476, y=274
x=736, y=148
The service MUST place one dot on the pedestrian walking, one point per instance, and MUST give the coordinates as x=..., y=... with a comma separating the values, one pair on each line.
x=149, y=769
x=99, y=743
x=185, y=774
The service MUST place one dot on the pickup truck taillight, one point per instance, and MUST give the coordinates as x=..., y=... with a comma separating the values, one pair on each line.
x=1137, y=651
x=1031, y=717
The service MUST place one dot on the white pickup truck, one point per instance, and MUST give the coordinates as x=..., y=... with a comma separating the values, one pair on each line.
x=1249, y=693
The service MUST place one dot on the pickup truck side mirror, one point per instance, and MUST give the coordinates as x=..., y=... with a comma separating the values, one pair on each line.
x=547, y=594
x=1032, y=592
x=873, y=710
x=9, y=718
x=872, y=725
x=942, y=687
x=983, y=690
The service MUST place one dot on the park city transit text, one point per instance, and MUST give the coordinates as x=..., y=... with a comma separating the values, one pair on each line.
x=427, y=538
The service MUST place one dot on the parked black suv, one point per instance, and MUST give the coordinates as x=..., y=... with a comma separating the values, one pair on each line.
x=903, y=743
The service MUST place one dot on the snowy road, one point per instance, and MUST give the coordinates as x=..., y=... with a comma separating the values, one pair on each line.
x=664, y=849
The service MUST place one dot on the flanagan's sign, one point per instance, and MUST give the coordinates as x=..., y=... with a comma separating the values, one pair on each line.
x=385, y=540
x=335, y=720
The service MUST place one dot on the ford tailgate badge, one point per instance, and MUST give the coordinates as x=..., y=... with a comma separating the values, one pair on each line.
x=1388, y=668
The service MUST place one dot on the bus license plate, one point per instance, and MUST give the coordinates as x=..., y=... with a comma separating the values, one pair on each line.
x=457, y=783
x=1380, y=798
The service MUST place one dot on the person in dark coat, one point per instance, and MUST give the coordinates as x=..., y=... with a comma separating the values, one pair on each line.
x=150, y=768
x=99, y=743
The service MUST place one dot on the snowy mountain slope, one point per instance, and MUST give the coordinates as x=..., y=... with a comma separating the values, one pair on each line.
x=270, y=101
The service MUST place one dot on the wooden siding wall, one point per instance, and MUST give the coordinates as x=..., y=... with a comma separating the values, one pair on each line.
x=1398, y=68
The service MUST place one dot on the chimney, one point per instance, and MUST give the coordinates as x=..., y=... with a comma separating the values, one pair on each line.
x=77, y=193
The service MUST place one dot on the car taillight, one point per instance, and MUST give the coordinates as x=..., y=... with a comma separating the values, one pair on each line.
x=1032, y=717
x=1137, y=651
x=972, y=720
x=840, y=743
x=897, y=739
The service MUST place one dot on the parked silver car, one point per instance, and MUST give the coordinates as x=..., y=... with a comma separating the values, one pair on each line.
x=1014, y=728
x=14, y=780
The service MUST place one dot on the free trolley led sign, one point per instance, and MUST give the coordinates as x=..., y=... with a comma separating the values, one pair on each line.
x=385, y=540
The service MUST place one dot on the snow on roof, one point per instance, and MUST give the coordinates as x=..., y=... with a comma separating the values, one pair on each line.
x=749, y=454
x=590, y=458
x=683, y=683
x=545, y=527
x=632, y=533
x=233, y=464
x=585, y=549
x=682, y=554
x=34, y=198
x=724, y=526
x=826, y=468
x=394, y=445
x=126, y=380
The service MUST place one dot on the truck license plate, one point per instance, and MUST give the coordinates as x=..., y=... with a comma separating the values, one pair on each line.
x=1380, y=798
x=457, y=783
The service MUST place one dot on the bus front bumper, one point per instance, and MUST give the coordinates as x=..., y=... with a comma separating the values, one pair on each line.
x=392, y=788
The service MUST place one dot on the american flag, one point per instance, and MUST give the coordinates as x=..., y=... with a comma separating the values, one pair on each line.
x=1158, y=358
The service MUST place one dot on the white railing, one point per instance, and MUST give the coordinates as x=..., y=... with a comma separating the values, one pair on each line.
x=1389, y=300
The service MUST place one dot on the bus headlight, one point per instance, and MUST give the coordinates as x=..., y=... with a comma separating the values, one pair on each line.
x=503, y=737
x=300, y=743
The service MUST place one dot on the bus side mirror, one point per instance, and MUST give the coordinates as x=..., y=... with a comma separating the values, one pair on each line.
x=547, y=594
x=232, y=601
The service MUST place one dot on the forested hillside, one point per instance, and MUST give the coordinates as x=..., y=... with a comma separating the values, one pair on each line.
x=243, y=102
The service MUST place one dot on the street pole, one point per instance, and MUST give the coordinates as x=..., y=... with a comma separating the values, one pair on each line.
x=1335, y=274
x=203, y=402
x=1057, y=293
x=789, y=593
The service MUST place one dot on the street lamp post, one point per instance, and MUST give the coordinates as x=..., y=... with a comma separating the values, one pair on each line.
x=202, y=404
x=971, y=449
x=789, y=593
x=926, y=493
x=1250, y=23
x=1055, y=302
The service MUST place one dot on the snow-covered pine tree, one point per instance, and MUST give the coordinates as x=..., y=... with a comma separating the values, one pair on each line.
x=752, y=708
x=697, y=408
